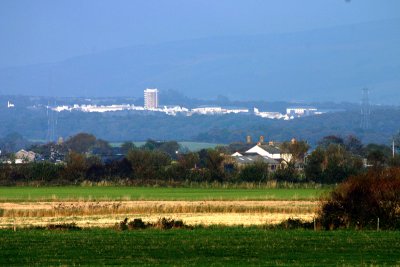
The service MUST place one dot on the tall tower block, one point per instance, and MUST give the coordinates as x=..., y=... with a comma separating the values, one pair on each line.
x=150, y=98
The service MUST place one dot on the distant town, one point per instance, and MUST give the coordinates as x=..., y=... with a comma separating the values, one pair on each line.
x=151, y=104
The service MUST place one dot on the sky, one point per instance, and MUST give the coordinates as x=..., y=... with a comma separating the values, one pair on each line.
x=42, y=31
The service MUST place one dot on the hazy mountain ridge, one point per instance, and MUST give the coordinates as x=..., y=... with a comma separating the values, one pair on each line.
x=320, y=65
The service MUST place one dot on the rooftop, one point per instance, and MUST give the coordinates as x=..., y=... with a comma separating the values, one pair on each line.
x=248, y=159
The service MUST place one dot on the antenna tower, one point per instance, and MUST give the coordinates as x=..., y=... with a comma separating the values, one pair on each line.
x=365, y=110
x=52, y=121
x=52, y=116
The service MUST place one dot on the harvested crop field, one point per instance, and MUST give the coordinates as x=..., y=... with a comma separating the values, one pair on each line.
x=104, y=214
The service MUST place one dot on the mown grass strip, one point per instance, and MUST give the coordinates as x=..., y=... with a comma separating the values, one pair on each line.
x=99, y=193
x=200, y=247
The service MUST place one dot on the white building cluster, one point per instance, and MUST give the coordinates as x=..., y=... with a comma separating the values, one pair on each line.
x=270, y=115
x=151, y=103
x=301, y=111
x=95, y=108
x=216, y=110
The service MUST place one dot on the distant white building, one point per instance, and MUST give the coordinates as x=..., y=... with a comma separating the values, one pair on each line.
x=270, y=115
x=217, y=110
x=300, y=111
x=151, y=98
x=10, y=105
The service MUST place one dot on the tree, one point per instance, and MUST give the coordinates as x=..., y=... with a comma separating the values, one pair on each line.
x=171, y=148
x=297, y=149
x=354, y=145
x=256, y=172
x=189, y=161
x=332, y=164
x=126, y=147
x=376, y=158
x=102, y=148
x=394, y=161
x=76, y=167
x=81, y=143
x=151, y=145
x=288, y=174
x=212, y=160
x=377, y=155
x=330, y=140
x=313, y=167
x=148, y=165
x=95, y=169
x=45, y=171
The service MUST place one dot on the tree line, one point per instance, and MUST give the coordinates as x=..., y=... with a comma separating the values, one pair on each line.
x=83, y=157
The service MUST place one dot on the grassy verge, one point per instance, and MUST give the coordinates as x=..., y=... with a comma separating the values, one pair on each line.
x=153, y=193
x=199, y=247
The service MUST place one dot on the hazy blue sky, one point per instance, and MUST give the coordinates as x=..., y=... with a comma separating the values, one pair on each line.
x=47, y=30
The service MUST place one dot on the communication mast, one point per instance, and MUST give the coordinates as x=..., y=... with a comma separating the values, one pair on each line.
x=365, y=110
x=52, y=121
x=52, y=116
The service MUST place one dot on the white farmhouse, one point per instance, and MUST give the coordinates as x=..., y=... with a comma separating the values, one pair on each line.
x=24, y=156
x=270, y=151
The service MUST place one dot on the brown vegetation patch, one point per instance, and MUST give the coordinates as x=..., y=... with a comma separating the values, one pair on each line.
x=55, y=209
x=105, y=214
x=206, y=219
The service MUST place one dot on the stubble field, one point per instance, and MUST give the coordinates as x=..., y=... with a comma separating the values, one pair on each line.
x=104, y=206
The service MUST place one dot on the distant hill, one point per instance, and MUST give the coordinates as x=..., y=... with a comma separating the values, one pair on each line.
x=31, y=120
x=320, y=65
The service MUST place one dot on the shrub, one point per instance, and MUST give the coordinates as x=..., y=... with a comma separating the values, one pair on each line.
x=162, y=223
x=122, y=225
x=295, y=224
x=362, y=199
x=137, y=224
x=63, y=226
x=167, y=223
x=256, y=172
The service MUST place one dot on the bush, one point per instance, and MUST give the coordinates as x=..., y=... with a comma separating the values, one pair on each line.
x=63, y=226
x=162, y=223
x=287, y=174
x=122, y=225
x=137, y=224
x=256, y=172
x=362, y=199
x=167, y=223
x=295, y=224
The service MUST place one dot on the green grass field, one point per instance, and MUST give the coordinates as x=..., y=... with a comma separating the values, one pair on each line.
x=152, y=193
x=199, y=247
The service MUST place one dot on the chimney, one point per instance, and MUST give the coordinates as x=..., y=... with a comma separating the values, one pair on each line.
x=261, y=139
x=271, y=143
x=248, y=139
